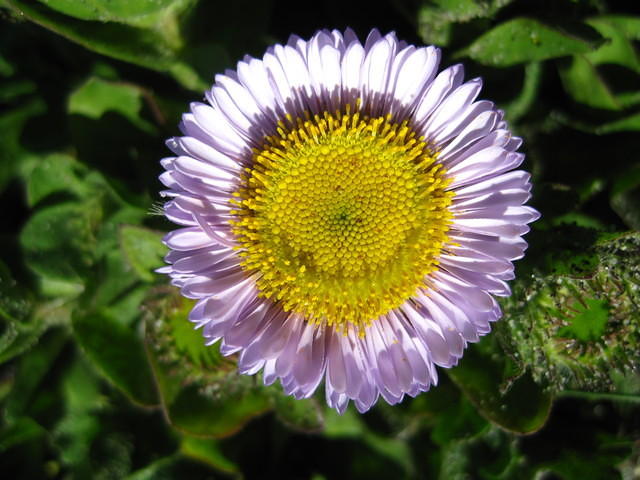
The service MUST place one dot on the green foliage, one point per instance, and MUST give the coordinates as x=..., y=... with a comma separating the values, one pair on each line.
x=97, y=97
x=579, y=328
x=200, y=390
x=102, y=375
x=143, y=249
x=523, y=40
x=504, y=396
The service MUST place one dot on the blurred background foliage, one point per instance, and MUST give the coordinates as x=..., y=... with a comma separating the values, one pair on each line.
x=101, y=376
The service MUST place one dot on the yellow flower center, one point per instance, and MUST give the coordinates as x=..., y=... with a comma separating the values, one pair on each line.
x=342, y=216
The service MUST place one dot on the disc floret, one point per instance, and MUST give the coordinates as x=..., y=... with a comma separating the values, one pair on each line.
x=342, y=216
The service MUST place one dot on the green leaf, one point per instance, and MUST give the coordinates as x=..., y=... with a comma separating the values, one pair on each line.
x=96, y=97
x=59, y=243
x=23, y=320
x=618, y=49
x=143, y=249
x=56, y=173
x=625, y=196
x=523, y=40
x=15, y=302
x=32, y=370
x=490, y=454
x=207, y=450
x=12, y=152
x=590, y=321
x=523, y=408
x=13, y=89
x=193, y=412
x=350, y=425
x=583, y=83
x=79, y=427
x=304, y=415
x=144, y=13
x=578, y=328
x=118, y=353
x=626, y=124
x=435, y=20
x=157, y=49
x=201, y=392
x=22, y=430
x=628, y=25
x=526, y=99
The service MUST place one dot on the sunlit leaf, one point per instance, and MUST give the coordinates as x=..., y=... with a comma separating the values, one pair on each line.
x=523, y=40
x=618, y=49
x=207, y=450
x=96, y=97
x=589, y=322
x=143, y=249
x=140, y=13
x=626, y=124
x=583, y=83
x=56, y=173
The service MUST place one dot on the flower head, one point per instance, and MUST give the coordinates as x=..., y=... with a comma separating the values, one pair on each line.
x=348, y=215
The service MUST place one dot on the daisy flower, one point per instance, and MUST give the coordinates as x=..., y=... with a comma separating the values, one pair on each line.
x=348, y=214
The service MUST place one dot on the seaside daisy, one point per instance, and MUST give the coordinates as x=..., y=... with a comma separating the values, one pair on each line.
x=348, y=214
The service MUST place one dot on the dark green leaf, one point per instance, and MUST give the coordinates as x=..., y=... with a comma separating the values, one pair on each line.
x=154, y=49
x=523, y=408
x=195, y=413
x=32, y=371
x=11, y=124
x=59, y=244
x=24, y=322
x=117, y=351
x=21, y=430
x=350, y=425
x=523, y=40
x=625, y=196
x=304, y=415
